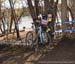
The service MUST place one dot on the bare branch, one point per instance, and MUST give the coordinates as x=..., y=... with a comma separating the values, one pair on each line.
x=56, y=2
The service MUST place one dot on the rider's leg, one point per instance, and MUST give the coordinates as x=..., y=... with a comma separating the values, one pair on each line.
x=50, y=26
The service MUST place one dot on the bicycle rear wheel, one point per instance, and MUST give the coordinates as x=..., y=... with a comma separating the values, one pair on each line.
x=29, y=39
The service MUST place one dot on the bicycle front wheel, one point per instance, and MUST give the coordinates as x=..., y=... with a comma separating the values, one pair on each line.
x=46, y=38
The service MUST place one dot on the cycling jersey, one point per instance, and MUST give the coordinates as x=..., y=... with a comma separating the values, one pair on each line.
x=49, y=19
x=45, y=22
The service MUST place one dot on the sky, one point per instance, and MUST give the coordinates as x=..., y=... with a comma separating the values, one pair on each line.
x=19, y=4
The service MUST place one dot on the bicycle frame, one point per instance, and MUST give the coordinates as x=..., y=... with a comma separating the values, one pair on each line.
x=40, y=34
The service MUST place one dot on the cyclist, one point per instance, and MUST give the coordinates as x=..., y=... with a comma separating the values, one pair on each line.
x=50, y=25
x=44, y=22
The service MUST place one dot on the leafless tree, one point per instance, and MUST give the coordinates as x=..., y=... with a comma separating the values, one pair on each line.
x=2, y=23
x=32, y=10
x=14, y=18
x=37, y=6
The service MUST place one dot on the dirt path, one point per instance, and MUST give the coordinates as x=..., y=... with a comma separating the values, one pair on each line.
x=21, y=55
x=64, y=53
x=17, y=54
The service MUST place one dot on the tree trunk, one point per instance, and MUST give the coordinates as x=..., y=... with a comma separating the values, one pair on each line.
x=0, y=16
x=46, y=5
x=1, y=20
x=1, y=29
x=3, y=26
x=32, y=10
x=64, y=10
x=11, y=22
x=14, y=18
x=36, y=7
x=73, y=15
x=73, y=8
x=64, y=15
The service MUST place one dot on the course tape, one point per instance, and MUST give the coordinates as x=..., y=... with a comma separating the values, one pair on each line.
x=66, y=22
x=63, y=23
x=68, y=30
